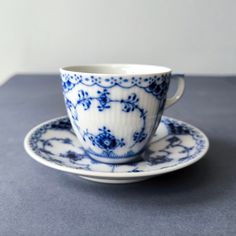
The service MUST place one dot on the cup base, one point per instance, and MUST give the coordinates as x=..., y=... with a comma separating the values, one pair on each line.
x=118, y=160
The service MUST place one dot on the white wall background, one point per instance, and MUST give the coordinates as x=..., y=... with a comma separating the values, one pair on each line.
x=190, y=36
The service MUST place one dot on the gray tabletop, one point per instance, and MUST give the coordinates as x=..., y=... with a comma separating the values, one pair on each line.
x=197, y=200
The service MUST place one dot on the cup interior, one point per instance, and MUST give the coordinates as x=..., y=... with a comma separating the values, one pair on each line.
x=118, y=69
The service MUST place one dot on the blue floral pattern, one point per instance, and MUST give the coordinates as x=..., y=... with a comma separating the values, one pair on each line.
x=96, y=91
x=129, y=105
x=154, y=85
x=176, y=143
x=103, y=100
x=104, y=140
x=159, y=89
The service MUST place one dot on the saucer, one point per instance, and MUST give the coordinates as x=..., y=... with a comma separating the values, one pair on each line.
x=175, y=145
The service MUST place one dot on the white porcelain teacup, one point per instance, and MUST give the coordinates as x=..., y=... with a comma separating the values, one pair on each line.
x=115, y=109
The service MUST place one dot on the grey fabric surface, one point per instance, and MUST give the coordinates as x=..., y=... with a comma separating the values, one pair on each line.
x=198, y=200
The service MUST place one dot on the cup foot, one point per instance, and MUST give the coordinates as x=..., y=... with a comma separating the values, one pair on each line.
x=117, y=160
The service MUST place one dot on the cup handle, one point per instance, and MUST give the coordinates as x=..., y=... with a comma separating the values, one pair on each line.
x=179, y=92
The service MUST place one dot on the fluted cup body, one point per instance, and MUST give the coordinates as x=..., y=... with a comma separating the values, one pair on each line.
x=115, y=109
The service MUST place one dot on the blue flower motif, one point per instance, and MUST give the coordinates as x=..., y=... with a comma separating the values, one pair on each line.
x=103, y=100
x=105, y=140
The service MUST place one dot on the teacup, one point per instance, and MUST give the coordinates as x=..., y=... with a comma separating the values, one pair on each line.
x=115, y=109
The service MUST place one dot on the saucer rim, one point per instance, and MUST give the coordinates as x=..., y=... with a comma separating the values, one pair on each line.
x=114, y=175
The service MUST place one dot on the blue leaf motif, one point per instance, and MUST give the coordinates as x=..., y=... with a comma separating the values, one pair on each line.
x=131, y=103
x=71, y=108
x=160, y=159
x=72, y=156
x=177, y=129
x=138, y=137
x=84, y=99
x=173, y=141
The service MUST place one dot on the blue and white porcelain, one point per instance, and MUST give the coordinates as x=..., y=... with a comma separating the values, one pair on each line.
x=115, y=109
x=175, y=145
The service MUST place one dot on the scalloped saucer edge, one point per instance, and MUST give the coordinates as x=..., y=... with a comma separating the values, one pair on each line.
x=175, y=145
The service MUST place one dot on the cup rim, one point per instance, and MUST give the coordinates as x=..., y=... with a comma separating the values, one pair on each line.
x=146, y=70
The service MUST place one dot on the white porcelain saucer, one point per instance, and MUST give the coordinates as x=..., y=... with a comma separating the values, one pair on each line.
x=175, y=146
